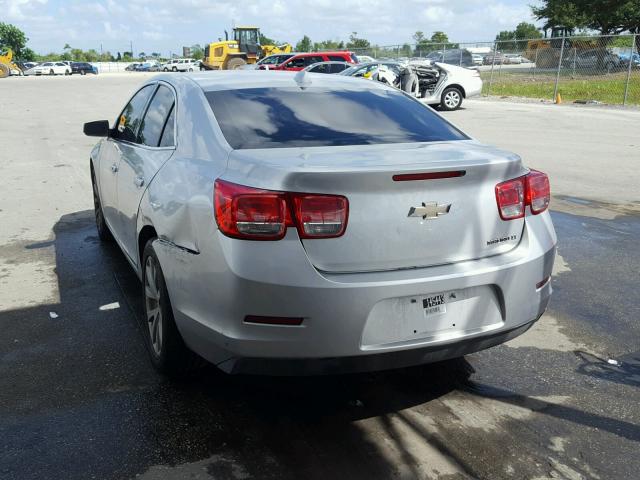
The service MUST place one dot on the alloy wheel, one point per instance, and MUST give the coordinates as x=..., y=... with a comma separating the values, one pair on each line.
x=152, y=295
x=452, y=99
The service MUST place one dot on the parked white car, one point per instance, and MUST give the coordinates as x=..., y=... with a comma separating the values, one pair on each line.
x=436, y=83
x=52, y=68
x=181, y=65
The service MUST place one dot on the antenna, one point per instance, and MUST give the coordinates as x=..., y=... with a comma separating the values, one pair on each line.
x=302, y=79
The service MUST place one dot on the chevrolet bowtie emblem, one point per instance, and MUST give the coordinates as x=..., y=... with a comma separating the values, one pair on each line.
x=429, y=210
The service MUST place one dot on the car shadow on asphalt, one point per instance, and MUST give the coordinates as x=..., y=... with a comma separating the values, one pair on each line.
x=78, y=396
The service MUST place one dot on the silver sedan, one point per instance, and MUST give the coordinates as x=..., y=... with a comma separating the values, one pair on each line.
x=304, y=223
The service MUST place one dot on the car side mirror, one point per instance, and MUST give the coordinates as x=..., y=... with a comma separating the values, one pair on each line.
x=99, y=128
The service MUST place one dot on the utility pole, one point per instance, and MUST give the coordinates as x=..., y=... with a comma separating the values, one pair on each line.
x=131, y=44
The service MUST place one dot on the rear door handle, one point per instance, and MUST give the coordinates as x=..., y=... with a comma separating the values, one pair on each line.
x=114, y=168
x=139, y=181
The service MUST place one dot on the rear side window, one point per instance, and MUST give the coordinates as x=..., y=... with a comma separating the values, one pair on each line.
x=131, y=117
x=322, y=68
x=168, y=138
x=337, y=58
x=156, y=117
x=313, y=59
x=338, y=67
x=315, y=116
x=297, y=62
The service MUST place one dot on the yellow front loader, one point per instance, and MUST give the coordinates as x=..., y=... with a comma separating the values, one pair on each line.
x=6, y=64
x=243, y=49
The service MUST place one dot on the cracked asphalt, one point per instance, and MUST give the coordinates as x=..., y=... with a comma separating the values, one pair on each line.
x=79, y=398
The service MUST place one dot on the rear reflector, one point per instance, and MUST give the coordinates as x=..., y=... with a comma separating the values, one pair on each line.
x=273, y=320
x=513, y=196
x=255, y=214
x=541, y=284
x=409, y=177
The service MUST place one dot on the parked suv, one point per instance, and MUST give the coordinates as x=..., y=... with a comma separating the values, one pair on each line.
x=456, y=56
x=181, y=65
x=302, y=60
x=83, y=68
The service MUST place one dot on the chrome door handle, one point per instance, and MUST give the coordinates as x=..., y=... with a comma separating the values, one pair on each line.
x=114, y=168
x=139, y=181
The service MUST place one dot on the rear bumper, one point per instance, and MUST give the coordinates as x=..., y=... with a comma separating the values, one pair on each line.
x=346, y=316
x=367, y=363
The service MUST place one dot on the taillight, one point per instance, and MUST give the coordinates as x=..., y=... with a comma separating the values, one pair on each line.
x=256, y=214
x=510, y=197
x=513, y=196
x=320, y=216
x=538, y=191
x=250, y=213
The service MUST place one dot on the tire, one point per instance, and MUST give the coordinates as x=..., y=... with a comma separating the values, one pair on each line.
x=174, y=69
x=235, y=63
x=82, y=72
x=191, y=70
x=67, y=72
x=101, y=225
x=51, y=72
x=4, y=70
x=167, y=351
x=451, y=99
x=165, y=69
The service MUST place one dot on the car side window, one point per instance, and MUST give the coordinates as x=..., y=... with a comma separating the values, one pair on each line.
x=322, y=68
x=168, y=133
x=156, y=117
x=337, y=58
x=312, y=59
x=131, y=117
x=297, y=63
x=338, y=67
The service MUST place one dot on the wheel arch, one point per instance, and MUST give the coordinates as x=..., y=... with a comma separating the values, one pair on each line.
x=459, y=87
x=146, y=233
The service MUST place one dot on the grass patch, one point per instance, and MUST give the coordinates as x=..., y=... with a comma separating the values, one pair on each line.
x=607, y=89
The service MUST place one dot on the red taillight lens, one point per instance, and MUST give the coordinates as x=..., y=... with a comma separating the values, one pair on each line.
x=532, y=190
x=250, y=213
x=538, y=191
x=320, y=216
x=510, y=197
x=256, y=214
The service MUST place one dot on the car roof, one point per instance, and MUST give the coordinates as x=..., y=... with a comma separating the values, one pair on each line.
x=241, y=79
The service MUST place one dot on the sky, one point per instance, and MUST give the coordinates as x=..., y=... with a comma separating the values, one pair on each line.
x=166, y=26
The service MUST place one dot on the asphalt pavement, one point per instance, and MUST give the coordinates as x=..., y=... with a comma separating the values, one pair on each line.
x=79, y=398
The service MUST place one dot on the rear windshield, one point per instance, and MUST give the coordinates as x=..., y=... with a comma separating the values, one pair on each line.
x=311, y=117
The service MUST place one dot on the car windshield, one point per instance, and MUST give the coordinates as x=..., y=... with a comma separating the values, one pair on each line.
x=293, y=117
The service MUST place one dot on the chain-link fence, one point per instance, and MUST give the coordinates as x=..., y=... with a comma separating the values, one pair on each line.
x=586, y=69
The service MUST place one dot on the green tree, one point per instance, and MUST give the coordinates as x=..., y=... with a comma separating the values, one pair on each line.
x=418, y=37
x=28, y=55
x=357, y=43
x=264, y=40
x=439, y=37
x=197, y=52
x=14, y=38
x=605, y=16
x=91, y=55
x=304, y=45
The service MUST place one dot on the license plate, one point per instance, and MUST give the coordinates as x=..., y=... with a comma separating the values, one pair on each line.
x=434, y=304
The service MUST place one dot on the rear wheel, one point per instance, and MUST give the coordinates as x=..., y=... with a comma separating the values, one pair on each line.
x=4, y=70
x=83, y=72
x=235, y=63
x=451, y=99
x=51, y=72
x=174, y=69
x=169, y=355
